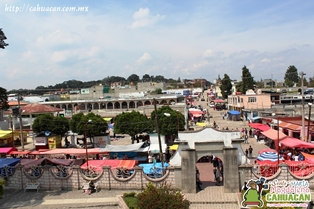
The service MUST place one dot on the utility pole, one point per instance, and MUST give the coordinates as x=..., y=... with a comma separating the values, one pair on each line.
x=20, y=119
x=302, y=92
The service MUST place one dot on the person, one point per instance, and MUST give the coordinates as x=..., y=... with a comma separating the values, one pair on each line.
x=218, y=176
x=198, y=180
x=91, y=188
x=255, y=167
x=250, y=151
x=125, y=157
x=246, y=139
x=246, y=152
x=244, y=187
x=150, y=158
x=251, y=132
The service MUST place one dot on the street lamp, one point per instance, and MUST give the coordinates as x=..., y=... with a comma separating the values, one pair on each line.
x=278, y=150
x=161, y=156
x=85, y=125
x=309, y=122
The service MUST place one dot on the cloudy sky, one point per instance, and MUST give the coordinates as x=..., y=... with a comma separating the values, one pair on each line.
x=172, y=38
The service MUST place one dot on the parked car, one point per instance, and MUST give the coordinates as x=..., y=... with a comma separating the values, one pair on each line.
x=284, y=91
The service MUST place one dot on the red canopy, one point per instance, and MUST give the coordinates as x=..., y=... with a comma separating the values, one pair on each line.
x=98, y=164
x=20, y=152
x=293, y=142
x=259, y=126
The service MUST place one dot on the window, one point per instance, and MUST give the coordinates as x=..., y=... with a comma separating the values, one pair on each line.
x=252, y=99
x=241, y=100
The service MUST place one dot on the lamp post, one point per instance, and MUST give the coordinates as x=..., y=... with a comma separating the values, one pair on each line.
x=161, y=156
x=278, y=150
x=85, y=125
x=302, y=93
x=309, y=123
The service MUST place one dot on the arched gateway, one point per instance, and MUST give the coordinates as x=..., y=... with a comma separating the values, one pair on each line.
x=194, y=145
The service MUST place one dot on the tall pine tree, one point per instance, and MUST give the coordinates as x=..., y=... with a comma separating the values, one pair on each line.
x=247, y=80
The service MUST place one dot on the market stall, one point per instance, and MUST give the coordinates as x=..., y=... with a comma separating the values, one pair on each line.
x=98, y=164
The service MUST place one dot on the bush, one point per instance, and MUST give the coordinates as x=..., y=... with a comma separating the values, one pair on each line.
x=160, y=197
x=130, y=200
x=2, y=182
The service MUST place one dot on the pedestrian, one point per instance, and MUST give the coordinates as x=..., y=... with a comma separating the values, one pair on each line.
x=251, y=132
x=246, y=139
x=246, y=152
x=198, y=180
x=245, y=130
x=255, y=167
x=250, y=151
x=218, y=177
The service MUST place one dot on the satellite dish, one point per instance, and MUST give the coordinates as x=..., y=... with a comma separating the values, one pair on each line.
x=47, y=133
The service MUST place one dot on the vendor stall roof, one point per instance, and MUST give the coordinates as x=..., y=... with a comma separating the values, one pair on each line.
x=98, y=164
x=273, y=134
x=293, y=143
x=7, y=150
x=8, y=162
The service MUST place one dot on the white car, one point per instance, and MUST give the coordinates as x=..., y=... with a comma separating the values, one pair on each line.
x=211, y=105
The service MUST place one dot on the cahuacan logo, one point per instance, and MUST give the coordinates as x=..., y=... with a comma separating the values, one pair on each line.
x=253, y=195
x=280, y=193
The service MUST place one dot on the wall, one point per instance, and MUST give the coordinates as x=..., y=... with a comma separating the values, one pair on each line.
x=107, y=180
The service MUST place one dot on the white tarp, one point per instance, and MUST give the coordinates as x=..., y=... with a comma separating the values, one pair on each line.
x=125, y=148
x=154, y=148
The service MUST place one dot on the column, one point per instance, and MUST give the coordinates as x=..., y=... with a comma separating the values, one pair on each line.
x=188, y=174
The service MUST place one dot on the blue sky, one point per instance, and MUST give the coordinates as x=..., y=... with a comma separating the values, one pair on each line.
x=186, y=39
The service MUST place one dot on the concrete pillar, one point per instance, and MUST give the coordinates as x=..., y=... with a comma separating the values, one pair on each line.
x=188, y=174
x=231, y=170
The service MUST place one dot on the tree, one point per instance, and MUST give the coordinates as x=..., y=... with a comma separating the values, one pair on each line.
x=132, y=123
x=226, y=86
x=291, y=76
x=133, y=78
x=4, y=105
x=247, y=80
x=146, y=78
x=168, y=125
x=157, y=91
x=311, y=82
x=305, y=82
x=97, y=127
x=54, y=124
x=2, y=38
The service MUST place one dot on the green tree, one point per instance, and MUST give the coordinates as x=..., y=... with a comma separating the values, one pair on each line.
x=54, y=124
x=146, y=78
x=291, y=76
x=305, y=82
x=311, y=82
x=132, y=123
x=4, y=105
x=133, y=78
x=168, y=125
x=2, y=38
x=157, y=91
x=226, y=86
x=247, y=80
x=97, y=127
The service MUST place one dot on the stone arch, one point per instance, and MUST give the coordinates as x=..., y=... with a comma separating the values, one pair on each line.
x=139, y=103
x=96, y=106
x=117, y=105
x=70, y=107
x=147, y=102
x=102, y=105
x=124, y=105
x=57, y=106
x=163, y=102
x=110, y=105
x=132, y=105
x=89, y=106
x=171, y=101
x=64, y=106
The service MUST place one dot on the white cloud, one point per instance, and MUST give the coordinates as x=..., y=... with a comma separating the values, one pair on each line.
x=144, y=58
x=143, y=18
x=265, y=60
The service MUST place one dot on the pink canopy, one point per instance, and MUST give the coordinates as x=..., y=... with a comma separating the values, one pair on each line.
x=273, y=134
x=98, y=164
x=293, y=142
x=71, y=151
x=7, y=150
x=219, y=100
x=259, y=126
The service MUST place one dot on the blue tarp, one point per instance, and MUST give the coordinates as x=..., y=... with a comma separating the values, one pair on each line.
x=234, y=112
x=9, y=162
x=148, y=168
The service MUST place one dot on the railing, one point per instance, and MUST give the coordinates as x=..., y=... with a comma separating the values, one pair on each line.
x=301, y=169
x=265, y=170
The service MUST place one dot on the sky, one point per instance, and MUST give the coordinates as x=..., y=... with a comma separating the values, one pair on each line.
x=173, y=38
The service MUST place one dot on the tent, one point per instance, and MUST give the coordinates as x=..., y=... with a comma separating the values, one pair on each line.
x=7, y=150
x=125, y=148
x=4, y=134
x=98, y=164
x=267, y=150
x=293, y=142
x=219, y=100
x=234, y=112
x=35, y=162
x=148, y=168
x=9, y=162
x=20, y=152
x=259, y=126
x=273, y=134
x=71, y=151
